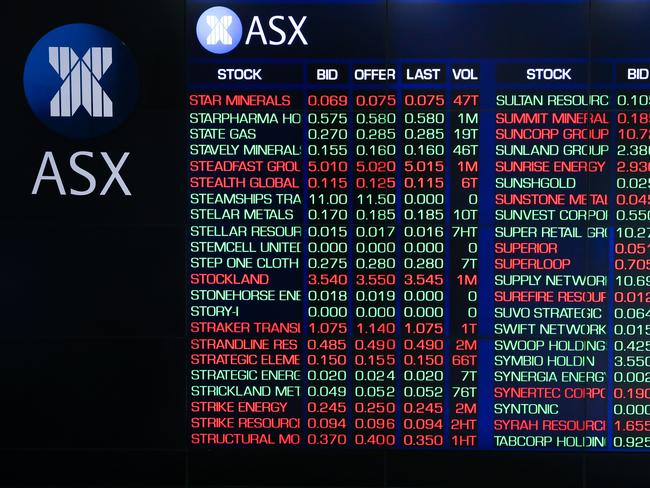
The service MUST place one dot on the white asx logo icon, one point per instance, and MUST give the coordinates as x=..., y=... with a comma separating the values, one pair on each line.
x=219, y=30
x=81, y=78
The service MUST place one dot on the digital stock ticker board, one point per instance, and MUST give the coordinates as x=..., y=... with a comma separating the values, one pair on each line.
x=335, y=243
x=414, y=231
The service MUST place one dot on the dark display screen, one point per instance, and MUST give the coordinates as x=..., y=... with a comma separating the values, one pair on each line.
x=325, y=243
x=417, y=225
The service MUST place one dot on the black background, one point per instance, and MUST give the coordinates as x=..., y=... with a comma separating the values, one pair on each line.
x=92, y=334
x=92, y=373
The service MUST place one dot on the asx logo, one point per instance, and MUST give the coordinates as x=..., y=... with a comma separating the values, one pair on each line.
x=219, y=30
x=80, y=81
